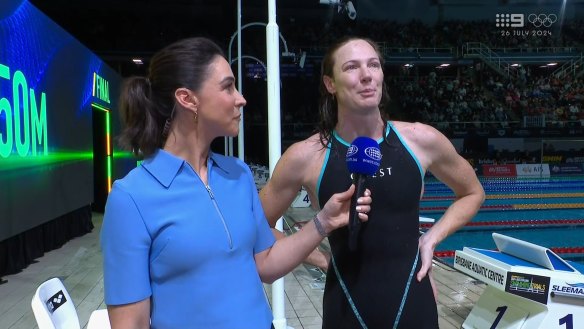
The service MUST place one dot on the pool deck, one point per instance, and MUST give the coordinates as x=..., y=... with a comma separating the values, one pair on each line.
x=79, y=264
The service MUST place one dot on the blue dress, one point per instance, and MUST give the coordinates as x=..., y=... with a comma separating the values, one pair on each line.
x=188, y=247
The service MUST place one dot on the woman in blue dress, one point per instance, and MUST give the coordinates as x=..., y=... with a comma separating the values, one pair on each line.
x=185, y=240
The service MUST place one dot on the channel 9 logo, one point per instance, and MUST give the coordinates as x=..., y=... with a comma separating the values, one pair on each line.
x=518, y=20
x=510, y=20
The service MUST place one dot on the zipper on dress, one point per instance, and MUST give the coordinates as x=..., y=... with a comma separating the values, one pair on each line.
x=220, y=216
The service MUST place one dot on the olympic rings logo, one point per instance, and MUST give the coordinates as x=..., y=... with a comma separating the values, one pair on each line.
x=539, y=20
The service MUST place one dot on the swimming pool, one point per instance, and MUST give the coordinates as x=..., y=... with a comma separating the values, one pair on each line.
x=545, y=211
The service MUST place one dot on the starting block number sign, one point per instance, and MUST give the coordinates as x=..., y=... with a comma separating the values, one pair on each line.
x=568, y=321
x=498, y=310
x=495, y=311
x=302, y=200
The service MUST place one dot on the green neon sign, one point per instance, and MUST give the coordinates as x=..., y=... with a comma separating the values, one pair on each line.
x=101, y=88
x=26, y=130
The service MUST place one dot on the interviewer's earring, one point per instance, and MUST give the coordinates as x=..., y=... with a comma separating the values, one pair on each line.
x=196, y=116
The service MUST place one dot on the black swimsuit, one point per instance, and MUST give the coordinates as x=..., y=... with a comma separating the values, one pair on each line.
x=376, y=275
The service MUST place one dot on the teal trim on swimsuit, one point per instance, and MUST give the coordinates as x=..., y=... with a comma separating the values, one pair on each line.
x=326, y=157
x=354, y=307
x=347, y=144
x=340, y=139
x=406, y=291
x=407, y=148
x=346, y=291
x=379, y=141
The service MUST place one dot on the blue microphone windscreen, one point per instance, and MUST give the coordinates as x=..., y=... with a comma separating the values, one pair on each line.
x=363, y=156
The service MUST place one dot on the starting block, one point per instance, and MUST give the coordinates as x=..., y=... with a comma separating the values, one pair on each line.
x=528, y=287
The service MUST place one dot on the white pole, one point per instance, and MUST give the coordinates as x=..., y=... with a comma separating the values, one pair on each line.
x=240, y=140
x=273, y=56
x=255, y=24
x=274, y=138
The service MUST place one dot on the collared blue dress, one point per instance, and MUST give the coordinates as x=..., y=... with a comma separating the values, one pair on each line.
x=187, y=246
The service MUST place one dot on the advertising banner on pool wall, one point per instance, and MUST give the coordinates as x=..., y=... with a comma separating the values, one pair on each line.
x=533, y=170
x=499, y=170
x=567, y=169
x=523, y=170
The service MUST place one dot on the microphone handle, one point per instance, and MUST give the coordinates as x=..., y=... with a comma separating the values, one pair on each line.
x=354, y=221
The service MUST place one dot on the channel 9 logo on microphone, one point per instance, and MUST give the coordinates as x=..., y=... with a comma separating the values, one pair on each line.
x=363, y=156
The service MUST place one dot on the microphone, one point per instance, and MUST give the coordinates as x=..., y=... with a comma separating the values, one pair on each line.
x=363, y=159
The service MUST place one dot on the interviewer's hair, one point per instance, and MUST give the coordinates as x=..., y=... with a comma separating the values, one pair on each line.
x=147, y=103
x=328, y=113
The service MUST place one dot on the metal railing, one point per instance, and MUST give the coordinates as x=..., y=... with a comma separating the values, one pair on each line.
x=491, y=58
x=572, y=68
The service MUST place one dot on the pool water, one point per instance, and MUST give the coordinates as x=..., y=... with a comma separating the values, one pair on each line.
x=548, y=212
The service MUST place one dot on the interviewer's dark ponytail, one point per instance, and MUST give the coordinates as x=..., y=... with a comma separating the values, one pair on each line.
x=147, y=104
x=138, y=117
